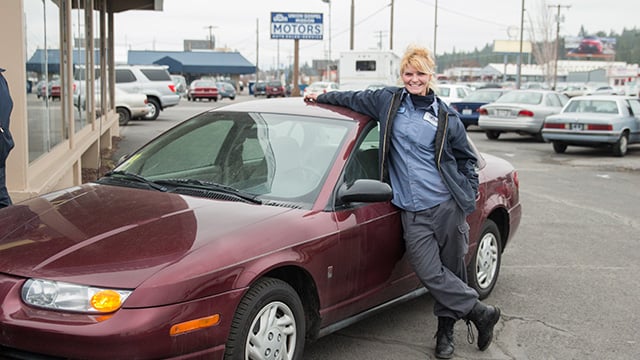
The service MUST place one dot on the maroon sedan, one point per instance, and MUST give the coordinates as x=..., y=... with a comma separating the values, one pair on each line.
x=203, y=89
x=241, y=232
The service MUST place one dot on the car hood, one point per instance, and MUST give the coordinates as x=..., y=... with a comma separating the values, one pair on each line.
x=114, y=236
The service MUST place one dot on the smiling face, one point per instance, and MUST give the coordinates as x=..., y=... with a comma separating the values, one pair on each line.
x=416, y=82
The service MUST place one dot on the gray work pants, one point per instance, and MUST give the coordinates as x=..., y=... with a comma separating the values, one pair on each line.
x=437, y=240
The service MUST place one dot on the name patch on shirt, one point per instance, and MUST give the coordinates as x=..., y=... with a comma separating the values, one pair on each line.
x=431, y=119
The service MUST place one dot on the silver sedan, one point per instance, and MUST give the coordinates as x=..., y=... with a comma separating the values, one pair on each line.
x=520, y=111
x=595, y=120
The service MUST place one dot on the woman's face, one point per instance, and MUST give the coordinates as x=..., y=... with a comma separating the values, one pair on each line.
x=416, y=82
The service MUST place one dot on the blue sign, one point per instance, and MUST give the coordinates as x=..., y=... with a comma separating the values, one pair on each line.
x=306, y=26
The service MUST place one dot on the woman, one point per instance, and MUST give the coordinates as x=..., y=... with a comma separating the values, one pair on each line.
x=431, y=167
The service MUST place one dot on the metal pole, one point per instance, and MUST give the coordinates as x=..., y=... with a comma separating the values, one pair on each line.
x=391, y=28
x=352, y=24
x=519, y=80
x=435, y=32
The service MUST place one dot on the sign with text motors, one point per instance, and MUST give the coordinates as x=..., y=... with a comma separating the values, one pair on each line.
x=305, y=26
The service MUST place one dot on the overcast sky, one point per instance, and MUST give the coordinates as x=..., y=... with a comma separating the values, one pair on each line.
x=462, y=25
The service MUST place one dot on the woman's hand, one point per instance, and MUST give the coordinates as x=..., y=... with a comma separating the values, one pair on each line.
x=310, y=97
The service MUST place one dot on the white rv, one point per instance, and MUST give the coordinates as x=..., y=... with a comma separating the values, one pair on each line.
x=374, y=68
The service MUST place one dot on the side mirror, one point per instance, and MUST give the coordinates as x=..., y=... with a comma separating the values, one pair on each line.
x=365, y=190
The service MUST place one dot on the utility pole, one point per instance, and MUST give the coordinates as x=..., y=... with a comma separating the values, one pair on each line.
x=353, y=6
x=558, y=19
x=391, y=28
x=519, y=80
x=435, y=34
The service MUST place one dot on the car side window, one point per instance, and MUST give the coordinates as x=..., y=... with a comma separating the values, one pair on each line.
x=635, y=108
x=124, y=76
x=365, y=164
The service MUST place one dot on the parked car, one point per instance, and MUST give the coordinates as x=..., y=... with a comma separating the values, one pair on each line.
x=203, y=89
x=181, y=84
x=226, y=90
x=55, y=90
x=597, y=120
x=246, y=229
x=451, y=93
x=605, y=90
x=275, y=89
x=130, y=106
x=260, y=89
x=469, y=106
x=520, y=111
x=576, y=90
x=41, y=89
x=151, y=80
x=320, y=87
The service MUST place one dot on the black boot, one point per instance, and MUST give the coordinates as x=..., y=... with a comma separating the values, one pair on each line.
x=484, y=317
x=444, y=338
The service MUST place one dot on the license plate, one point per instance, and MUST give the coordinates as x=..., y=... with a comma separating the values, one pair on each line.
x=466, y=111
x=504, y=113
x=576, y=127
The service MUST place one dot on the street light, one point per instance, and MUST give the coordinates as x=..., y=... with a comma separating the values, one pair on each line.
x=329, y=62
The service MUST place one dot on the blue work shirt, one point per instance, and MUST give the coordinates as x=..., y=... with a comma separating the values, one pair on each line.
x=415, y=179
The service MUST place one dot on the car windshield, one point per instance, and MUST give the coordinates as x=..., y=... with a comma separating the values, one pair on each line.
x=444, y=91
x=483, y=96
x=275, y=83
x=592, y=106
x=521, y=97
x=272, y=156
x=203, y=83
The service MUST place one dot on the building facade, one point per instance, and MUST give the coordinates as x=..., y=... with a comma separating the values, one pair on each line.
x=56, y=137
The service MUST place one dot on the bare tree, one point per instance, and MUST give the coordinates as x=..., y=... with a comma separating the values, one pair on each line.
x=541, y=34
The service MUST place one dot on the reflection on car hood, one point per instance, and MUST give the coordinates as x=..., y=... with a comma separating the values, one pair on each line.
x=113, y=236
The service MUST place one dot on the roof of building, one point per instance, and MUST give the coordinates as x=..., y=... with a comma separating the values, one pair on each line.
x=194, y=62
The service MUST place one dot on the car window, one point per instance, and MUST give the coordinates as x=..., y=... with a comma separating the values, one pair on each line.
x=125, y=76
x=364, y=164
x=521, y=97
x=156, y=74
x=444, y=91
x=635, y=107
x=553, y=100
x=281, y=157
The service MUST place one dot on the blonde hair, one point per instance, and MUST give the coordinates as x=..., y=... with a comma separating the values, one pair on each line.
x=421, y=59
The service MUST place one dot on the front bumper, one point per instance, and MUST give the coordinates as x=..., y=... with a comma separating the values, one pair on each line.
x=141, y=333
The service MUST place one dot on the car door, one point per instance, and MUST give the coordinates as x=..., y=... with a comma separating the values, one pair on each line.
x=383, y=271
x=635, y=127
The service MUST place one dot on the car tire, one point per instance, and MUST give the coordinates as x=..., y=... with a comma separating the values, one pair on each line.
x=484, y=267
x=620, y=147
x=492, y=134
x=232, y=98
x=286, y=327
x=154, y=109
x=123, y=116
x=559, y=147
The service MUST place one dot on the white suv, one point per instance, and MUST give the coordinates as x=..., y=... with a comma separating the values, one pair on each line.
x=151, y=80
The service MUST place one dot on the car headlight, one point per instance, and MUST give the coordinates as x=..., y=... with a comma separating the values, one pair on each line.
x=64, y=296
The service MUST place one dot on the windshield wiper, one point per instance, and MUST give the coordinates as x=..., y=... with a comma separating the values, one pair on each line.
x=127, y=176
x=211, y=186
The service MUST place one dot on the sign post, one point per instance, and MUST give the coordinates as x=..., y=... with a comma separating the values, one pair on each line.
x=296, y=26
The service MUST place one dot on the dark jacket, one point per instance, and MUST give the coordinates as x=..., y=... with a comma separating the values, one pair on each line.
x=455, y=158
x=6, y=105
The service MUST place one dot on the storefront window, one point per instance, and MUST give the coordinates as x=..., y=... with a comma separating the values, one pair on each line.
x=44, y=109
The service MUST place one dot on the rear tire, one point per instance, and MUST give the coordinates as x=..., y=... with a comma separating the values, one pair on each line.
x=620, y=147
x=154, y=109
x=492, y=134
x=269, y=323
x=559, y=147
x=484, y=267
x=123, y=116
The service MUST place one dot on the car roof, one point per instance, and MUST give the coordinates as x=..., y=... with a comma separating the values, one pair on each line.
x=294, y=106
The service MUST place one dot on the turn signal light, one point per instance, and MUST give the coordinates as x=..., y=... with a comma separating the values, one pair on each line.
x=106, y=301
x=195, y=324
